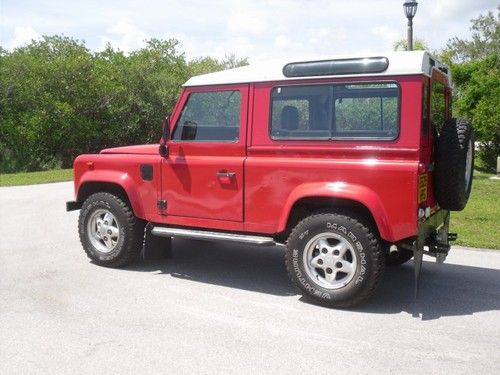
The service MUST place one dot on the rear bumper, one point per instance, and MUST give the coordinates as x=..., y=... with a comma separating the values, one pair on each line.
x=72, y=205
x=430, y=225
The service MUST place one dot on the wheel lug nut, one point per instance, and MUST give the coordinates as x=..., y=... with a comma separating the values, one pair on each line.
x=320, y=261
x=105, y=223
x=105, y=238
x=336, y=252
x=109, y=232
x=324, y=251
x=328, y=270
x=338, y=265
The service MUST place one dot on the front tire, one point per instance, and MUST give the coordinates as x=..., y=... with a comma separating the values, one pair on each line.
x=334, y=259
x=109, y=232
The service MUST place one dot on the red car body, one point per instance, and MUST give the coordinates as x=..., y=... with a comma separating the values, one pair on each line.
x=270, y=178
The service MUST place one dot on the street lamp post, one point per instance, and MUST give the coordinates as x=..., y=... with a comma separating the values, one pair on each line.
x=410, y=8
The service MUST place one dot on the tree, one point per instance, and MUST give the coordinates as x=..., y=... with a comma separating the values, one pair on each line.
x=44, y=88
x=475, y=65
x=484, y=42
x=58, y=99
x=231, y=61
x=205, y=65
x=418, y=45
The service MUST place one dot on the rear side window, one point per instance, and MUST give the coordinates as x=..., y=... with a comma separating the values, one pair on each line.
x=438, y=105
x=210, y=116
x=365, y=111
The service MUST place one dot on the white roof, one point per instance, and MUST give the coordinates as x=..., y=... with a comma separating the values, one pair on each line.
x=400, y=63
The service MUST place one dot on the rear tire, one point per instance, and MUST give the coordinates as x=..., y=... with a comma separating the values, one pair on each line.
x=334, y=259
x=454, y=164
x=109, y=232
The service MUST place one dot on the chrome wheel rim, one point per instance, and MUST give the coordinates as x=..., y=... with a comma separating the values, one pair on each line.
x=103, y=231
x=330, y=260
x=468, y=165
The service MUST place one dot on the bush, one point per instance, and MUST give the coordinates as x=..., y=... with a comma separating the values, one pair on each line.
x=58, y=99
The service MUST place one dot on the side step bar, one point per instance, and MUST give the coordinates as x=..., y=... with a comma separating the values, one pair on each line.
x=204, y=235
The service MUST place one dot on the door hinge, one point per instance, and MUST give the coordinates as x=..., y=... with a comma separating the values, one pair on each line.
x=161, y=204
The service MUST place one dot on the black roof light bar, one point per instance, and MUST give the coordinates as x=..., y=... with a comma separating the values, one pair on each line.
x=336, y=67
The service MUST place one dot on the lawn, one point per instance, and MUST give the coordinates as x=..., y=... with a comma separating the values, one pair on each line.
x=30, y=178
x=478, y=225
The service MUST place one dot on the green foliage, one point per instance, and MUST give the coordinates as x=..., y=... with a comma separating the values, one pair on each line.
x=58, y=99
x=203, y=65
x=418, y=45
x=484, y=42
x=475, y=65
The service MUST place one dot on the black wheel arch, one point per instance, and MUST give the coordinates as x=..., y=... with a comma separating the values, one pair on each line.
x=88, y=188
x=306, y=206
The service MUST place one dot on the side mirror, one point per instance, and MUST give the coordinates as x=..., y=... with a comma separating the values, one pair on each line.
x=165, y=136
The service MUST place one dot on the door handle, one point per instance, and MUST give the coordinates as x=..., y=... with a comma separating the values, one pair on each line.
x=225, y=174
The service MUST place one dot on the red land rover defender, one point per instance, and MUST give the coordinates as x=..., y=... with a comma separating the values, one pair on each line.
x=350, y=163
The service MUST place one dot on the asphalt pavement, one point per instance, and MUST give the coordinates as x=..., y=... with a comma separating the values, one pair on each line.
x=224, y=308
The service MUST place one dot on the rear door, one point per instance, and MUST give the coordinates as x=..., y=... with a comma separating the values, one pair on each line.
x=435, y=112
x=203, y=175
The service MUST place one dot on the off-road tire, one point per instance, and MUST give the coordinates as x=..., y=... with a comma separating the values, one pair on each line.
x=364, y=244
x=131, y=229
x=451, y=189
x=396, y=258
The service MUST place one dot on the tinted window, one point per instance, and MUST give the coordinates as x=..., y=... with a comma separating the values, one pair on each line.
x=425, y=109
x=210, y=116
x=335, y=111
x=437, y=105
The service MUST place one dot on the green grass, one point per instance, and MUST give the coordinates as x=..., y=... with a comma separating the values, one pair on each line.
x=478, y=225
x=31, y=178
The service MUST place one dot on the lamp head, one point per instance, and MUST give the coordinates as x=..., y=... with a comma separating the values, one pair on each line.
x=410, y=8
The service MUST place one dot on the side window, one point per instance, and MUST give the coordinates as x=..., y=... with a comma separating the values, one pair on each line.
x=301, y=112
x=367, y=111
x=438, y=105
x=335, y=111
x=210, y=116
x=293, y=114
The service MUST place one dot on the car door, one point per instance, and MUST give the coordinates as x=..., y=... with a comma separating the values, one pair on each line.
x=203, y=175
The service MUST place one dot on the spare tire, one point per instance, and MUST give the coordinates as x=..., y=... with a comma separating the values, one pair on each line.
x=454, y=164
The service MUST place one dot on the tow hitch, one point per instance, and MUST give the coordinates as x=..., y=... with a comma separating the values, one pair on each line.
x=437, y=242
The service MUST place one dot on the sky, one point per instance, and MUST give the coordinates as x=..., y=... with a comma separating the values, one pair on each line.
x=257, y=29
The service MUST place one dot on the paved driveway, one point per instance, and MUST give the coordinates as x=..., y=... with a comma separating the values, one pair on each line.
x=223, y=308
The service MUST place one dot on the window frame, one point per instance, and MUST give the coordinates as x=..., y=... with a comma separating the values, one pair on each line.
x=186, y=101
x=334, y=139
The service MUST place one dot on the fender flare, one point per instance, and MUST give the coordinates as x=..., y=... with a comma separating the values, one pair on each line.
x=121, y=179
x=342, y=190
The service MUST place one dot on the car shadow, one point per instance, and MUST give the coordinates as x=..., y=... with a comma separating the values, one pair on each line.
x=252, y=268
x=445, y=289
